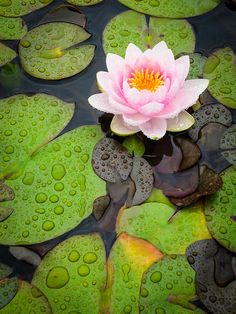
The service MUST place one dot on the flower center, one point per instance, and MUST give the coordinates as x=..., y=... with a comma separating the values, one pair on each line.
x=146, y=79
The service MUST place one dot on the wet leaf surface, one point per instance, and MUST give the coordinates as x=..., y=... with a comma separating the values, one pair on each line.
x=197, y=62
x=171, y=8
x=48, y=51
x=6, y=54
x=190, y=151
x=134, y=146
x=228, y=144
x=220, y=70
x=8, y=289
x=15, y=8
x=131, y=26
x=72, y=275
x=12, y=28
x=220, y=207
x=150, y=221
x=84, y=2
x=5, y=270
x=24, y=254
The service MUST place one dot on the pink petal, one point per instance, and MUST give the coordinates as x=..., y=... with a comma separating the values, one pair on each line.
x=135, y=119
x=132, y=54
x=115, y=66
x=182, y=66
x=151, y=109
x=170, y=110
x=120, y=107
x=182, y=122
x=155, y=128
x=100, y=102
x=119, y=127
x=164, y=57
x=135, y=97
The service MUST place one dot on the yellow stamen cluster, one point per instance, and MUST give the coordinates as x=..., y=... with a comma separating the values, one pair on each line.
x=146, y=79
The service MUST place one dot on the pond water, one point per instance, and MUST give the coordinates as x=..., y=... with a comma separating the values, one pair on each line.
x=213, y=30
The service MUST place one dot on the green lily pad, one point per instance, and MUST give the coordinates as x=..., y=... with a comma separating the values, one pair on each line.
x=130, y=257
x=48, y=51
x=55, y=191
x=84, y=2
x=221, y=71
x=228, y=144
x=24, y=128
x=134, y=146
x=17, y=8
x=169, y=287
x=12, y=28
x=220, y=211
x=6, y=54
x=171, y=8
x=8, y=289
x=131, y=26
x=72, y=275
x=150, y=221
x=197, y=62
x=28, y=299
x=5, y=270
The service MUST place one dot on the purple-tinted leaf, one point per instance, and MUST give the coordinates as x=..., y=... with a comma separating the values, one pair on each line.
x=228, y=144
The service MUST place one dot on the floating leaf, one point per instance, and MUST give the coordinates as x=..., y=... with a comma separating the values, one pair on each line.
x=72, y=275
x=4, y=270
x=100, y=205
x=171, y=8
x=131, y=26
x=24, y=127
x=28, y=299
x=8, y=289
x=17, y=8
x=48, y=51
x=215, y=113
x=56, y=190
x=191, y=152
x=228, y=144
x=169, y=287
x=84, y=2
x=5, y=212
x=130, y=257
x=197, y=62
x=221, y=71
x=6, y=54
x=6, y=194
x=12, y=28
x=157, y=196
x=134, y=145
x=220, y=207
x=150, y=222
x=24, y=254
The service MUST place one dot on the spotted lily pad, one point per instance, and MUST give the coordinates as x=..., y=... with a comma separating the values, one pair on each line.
x=28, y=299
x=8, y=289
x=17, y=8
x=228, y=144
x=171, y=8
x=56, y=190
x=197, y=62
x=48, y=51
x=84, y=2
x=215, y=113
x=169, y=287
x=220, y=209
x=4, y=270
x=12, y=28
x=24, y=128
x=131, y=26
x=134, y=145
x=221, y=71
x=130, y=257
x=72, y=275
x=6, y=54
x=150, y=222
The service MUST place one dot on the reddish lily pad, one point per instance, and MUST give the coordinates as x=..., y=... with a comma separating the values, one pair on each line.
x=150, y=221
x=6, y=54
x=72, y=275
x=12, y=28
x=228, y=144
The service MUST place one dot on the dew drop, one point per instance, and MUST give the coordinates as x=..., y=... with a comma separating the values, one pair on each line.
x=58, y=171
x=58, y=210
x=74, y=256
x=156, y=276
x=41, y=198
x=90, y=258
x=126, y=269
x=48, y=225
x=83, y=270
x=57, y=277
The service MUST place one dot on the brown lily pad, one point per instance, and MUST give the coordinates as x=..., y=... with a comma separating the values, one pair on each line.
x=100, y=205
x=6, y=193
x=228, y=144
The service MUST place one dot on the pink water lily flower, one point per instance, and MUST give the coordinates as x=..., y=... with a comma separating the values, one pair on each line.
x=147, y=91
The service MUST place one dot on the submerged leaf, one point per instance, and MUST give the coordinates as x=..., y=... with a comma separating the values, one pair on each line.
x=6, y=54
x=190, y=151
x=100, y=205
x=5, y=270
x=6, y=194
x=12, y=28
x=5, y=212
x=228, y=144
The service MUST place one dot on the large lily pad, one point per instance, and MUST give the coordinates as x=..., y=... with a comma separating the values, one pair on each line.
x=11, y=28
x=84, y=2
x=48, y=51
x=169, y=287
x=28, y=299
x=6, y=54
x=171, y=8
x=221, y=71
x=130, y=257
x=18, y=8
x=56, y=190
x=132, y=27
x=24, y=128
x=8, y=289
x=150, y=221
x=228, y=144
x=73, y=274
x=220, y=211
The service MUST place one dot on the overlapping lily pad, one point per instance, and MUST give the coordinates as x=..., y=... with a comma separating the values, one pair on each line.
x=220, y=210
x=228, y=144
x=221, y=71
x=48, y=51
x=150, y=221
x=72, y=275
x=84, y=2
x=17, y=8
x=12, y=28
x=134, y=145
x=131, y=26
x=169, y=287
x=6, y=54
x=55, y=191
x=197, y=62
x=171, y=8
x=8, y=289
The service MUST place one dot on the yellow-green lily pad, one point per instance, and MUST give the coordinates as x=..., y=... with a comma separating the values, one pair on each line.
x=171, y=8
x=84, y=2
x=14, y=8
x=169, y=287
x=131, y=26
x=12, y=28
x=220, y=211
x=150, y=221
x=72, y=275
x=220, y=69
x=48, y=51
x=6, y=54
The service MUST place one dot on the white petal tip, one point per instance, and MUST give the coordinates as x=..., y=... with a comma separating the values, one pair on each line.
x=117, y=126
x=182, y=122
